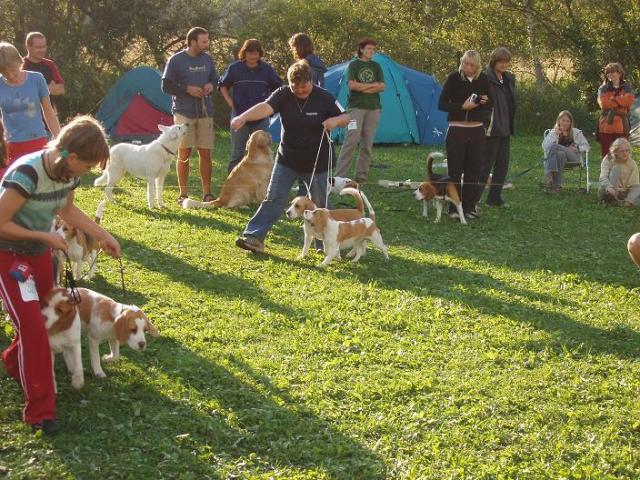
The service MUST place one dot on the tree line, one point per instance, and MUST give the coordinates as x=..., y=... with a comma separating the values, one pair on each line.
x=559, y=46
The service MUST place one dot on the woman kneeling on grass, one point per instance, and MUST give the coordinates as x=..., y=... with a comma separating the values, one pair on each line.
x=562, y=147
x=35, y=188
x=619, y=182
x=306, y=111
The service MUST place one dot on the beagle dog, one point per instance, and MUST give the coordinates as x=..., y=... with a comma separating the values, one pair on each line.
x=340, y=183
x=105, y=319
x=337, y=235
x=300, y=204
x=81, y=248
x=62, y=322
x=439, y=188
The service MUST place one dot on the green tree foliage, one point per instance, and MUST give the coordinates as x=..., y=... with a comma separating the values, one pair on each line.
x=94, y=41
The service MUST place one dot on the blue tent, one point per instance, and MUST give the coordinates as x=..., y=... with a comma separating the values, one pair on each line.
x=135, y=106
x=409, y=104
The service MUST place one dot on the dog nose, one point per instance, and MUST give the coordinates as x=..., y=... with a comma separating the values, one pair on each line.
x=142, y=345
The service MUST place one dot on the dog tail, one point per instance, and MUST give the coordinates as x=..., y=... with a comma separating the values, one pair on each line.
x=356, y=195
x=372, y=214
x=432, y=156
x=100, y=211
x=189, y=203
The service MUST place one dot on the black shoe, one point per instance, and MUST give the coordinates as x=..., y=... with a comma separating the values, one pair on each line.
x=48, y=427
x=250, y=243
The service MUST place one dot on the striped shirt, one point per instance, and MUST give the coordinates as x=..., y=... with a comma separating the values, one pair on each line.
x=44, y=197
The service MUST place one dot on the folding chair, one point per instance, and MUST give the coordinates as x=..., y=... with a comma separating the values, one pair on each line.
x=582, y=165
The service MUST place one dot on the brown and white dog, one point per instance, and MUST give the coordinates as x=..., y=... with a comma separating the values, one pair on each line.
x=247, y=183
x=63, y=328
x=340, y=183
x=105, y=319
x=81, y=248
x=300, y=204
x=439, y=188
x=337, y=235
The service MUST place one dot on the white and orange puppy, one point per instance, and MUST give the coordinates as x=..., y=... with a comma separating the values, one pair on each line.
x=247, y=183
x=81, y=248
x=300, y=204
x=103, y=319
x=63, y=328
x=341, y=235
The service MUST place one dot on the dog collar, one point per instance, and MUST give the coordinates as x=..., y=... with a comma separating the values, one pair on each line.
x=167, y=150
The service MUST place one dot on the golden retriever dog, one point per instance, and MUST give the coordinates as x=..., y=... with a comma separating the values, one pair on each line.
x=248, y=181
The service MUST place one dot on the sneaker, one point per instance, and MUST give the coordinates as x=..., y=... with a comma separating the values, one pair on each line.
x=250, y=243
x=48, y=427
x=549, y=179
x=471, y=215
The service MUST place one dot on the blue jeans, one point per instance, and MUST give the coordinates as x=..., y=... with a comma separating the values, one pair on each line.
x=239, y=140
x=275, y=203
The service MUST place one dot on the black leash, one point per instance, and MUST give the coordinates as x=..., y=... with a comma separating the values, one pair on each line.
x=124, y=290
x=70, y=282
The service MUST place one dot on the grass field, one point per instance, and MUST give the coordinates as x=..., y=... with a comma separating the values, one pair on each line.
x=505, y=349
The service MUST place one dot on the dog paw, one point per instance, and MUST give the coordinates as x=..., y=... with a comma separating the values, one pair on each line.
x=77, y=382
x=100, y=374
x=109, y=358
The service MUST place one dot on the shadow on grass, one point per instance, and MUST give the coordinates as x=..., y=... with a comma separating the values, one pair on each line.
x=471, y=289
x=196, y=418
x=213, y=282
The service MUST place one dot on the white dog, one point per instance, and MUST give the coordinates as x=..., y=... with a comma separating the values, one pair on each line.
x=151, y=162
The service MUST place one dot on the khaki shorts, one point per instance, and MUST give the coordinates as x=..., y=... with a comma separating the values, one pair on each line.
x=199, y=134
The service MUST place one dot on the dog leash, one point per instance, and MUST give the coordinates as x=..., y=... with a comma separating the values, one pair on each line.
x=70, y=283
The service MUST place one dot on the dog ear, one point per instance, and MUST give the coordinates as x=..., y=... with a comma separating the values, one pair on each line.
x=428, y=191
x=162, y=128
x=121, y=328
x=151, y=328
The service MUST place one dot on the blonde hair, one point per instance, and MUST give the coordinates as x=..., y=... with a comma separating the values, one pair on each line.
x=85, y=137
x=566, y=113
x=615, y=146
x=473, y=56
x=9, y=57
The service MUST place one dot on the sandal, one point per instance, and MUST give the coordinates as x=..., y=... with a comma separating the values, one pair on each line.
x=208, y=198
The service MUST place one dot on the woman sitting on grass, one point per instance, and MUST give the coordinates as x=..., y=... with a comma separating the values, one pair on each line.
x=562, y=147
x=619, y=182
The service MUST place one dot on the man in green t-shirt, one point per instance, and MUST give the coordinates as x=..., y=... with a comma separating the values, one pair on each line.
x=366, y=81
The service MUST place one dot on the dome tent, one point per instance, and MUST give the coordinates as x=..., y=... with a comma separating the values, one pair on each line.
x=135, y=106
x=409, y=104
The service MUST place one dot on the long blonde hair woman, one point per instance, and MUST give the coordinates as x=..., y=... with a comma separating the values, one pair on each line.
x=561, y=147
x=465, y=96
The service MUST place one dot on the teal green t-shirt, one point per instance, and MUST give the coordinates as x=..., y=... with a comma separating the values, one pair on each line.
x=44, y=197
x=364, y=72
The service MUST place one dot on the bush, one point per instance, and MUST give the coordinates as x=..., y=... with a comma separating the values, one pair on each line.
x=537, y=110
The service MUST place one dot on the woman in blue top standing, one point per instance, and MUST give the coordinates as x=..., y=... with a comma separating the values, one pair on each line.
x=24, y=99
x=251, y=81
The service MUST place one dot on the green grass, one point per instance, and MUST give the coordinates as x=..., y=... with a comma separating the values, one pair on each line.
x=505, y=349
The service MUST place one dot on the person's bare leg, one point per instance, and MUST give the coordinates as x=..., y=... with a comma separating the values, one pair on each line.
x=182, y=168
x=634, y=248
x=205, y=170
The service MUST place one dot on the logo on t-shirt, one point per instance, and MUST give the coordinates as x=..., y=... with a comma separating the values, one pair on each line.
x=366, y=75
x=202, y=68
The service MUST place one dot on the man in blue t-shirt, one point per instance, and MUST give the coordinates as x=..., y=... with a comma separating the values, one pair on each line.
x=251, y=81
x=190, y=77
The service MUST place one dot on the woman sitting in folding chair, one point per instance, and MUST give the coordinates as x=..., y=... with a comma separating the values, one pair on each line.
x=562, y=146
x=619, y=179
